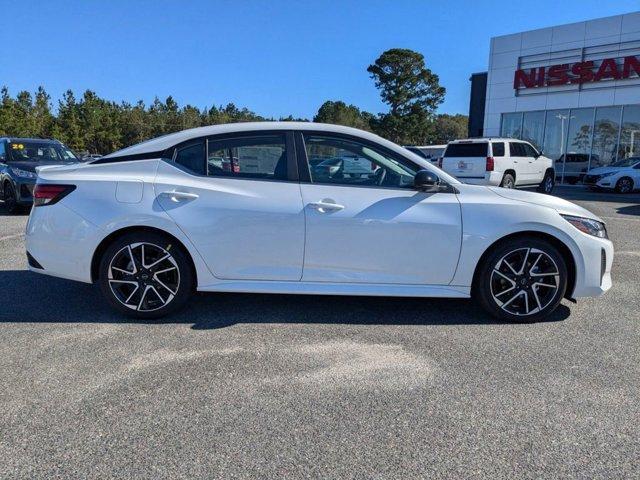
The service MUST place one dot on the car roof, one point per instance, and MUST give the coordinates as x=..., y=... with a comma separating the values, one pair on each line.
x=487, y=139
x=166, y=141
x=25, y=139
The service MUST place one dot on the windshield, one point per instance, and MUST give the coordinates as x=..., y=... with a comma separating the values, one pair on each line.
x=626, y=162
x=41, y=152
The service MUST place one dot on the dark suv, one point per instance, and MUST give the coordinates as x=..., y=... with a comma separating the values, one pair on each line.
x=19, y=158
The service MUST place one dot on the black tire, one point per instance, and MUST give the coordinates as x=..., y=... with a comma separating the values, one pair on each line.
x=548, y=182
x=499, y=288
x=10, y=198
x=624, y=185
x=508, y=181
x=155, y=296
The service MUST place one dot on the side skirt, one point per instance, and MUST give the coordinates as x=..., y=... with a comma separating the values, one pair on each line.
x=325, y=288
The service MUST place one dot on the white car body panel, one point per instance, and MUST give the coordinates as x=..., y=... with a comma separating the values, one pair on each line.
x=377, y=230
x=245, y=229
x=264, y=236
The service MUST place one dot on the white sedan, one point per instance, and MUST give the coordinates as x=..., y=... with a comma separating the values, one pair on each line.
x=623, y=176
x=236, y=208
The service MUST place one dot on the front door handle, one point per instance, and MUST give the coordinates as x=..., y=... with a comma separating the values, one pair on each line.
x=324, y=206
x=176, y=196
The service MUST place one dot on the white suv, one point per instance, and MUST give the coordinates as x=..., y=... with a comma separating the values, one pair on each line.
x=503, y=162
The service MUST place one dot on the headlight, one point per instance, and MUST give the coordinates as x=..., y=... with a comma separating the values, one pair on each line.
x=606, y=174
x=23, y=173
x=588, y=226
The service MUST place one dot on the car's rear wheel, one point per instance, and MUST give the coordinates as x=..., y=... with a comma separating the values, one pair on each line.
x=522, y=280
x=508, y=181
x=547, y=183
x=624, y=185
x=146, y=275
x=10, y=198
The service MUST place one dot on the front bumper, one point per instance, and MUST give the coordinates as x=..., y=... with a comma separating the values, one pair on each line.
x=593, y=269
x=596, y=181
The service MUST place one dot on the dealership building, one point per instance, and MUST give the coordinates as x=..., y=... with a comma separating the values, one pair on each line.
x=571, y=90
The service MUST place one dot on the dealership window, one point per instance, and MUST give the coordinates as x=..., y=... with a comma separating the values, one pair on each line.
x=630, y=134
x=262, y=157
x=511, y=125
x=575, y=161
x=579, y=139
x=555, y=135
x=533, y=128
x=605, y=136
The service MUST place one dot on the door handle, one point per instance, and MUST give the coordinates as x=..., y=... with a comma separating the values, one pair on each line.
x=324, y=207
x=175, y=196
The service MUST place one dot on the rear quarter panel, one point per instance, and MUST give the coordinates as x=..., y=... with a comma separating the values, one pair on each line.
x=114, y=196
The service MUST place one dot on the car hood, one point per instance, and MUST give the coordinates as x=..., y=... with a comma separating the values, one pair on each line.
x=601, y=170
x=560, y=205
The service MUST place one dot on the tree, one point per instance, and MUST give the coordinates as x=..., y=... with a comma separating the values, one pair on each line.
x=69, y=121
x=405, y=82
x=412, y=92
x=449, y=127
x=339, y=113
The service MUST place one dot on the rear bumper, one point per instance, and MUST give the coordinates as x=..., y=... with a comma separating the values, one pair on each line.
x=61, y=242
x=489, y=179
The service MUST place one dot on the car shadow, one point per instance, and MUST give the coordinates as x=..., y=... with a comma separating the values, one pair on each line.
x=28, y=297
x=629, y=210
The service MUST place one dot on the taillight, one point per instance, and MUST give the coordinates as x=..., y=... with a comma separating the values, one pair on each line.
x=48, y=193
x=489, y=164
x=439, y=162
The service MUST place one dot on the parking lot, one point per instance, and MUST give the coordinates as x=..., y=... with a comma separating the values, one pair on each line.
x=242, y=385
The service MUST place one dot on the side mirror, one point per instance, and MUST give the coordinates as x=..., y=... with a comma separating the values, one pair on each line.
x=426, y=181
x=540, y=153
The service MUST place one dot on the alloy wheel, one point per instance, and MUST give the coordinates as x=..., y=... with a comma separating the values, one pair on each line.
x=524, y=281
x=143, y=276
x=624, y=185
x=548, y=184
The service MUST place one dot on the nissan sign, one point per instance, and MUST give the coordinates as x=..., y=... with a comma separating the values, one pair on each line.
x=580, y=72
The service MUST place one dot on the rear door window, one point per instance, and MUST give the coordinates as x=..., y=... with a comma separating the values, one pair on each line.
x=477, y=149
x=192, y=157
x=517, y=149
x=498, y=149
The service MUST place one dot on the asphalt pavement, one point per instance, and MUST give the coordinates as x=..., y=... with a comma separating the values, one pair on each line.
x=282, y=386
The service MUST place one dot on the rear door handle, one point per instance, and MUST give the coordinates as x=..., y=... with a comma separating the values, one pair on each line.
x=324, y=207
x=176, y=196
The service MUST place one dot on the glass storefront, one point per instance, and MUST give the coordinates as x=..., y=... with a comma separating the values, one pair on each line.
x=578, y=139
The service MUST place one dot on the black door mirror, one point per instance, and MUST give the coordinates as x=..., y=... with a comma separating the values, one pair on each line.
x=426, y=181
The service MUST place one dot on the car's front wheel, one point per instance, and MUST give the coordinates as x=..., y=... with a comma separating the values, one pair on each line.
x=522, y=280
x=624, y=185
x=547, y=183
x=146, y=275
x=10, y=198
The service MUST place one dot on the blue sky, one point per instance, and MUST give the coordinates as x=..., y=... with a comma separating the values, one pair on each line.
x=274, y=57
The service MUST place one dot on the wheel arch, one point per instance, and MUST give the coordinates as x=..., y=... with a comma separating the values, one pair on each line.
x=555, y=241
x=106, y=241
